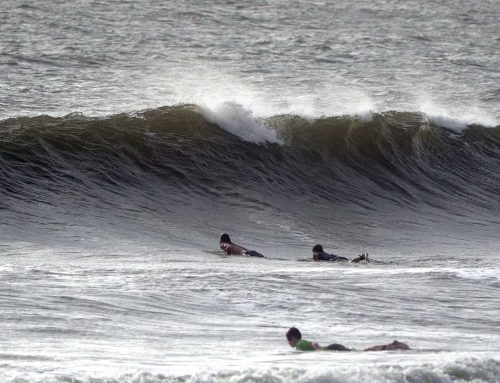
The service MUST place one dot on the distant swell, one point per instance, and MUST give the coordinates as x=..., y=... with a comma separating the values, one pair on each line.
x=174, y=155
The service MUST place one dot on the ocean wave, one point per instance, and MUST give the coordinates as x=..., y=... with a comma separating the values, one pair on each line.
x=458, y=371
x=489, y=274
x=394, y=158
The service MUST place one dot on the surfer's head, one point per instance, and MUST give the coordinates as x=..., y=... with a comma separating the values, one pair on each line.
x=293, y=335
x=224, y=238
x=317, y=249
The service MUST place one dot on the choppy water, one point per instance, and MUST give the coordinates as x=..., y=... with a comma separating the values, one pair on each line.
x=134, y=133
x=271, y=56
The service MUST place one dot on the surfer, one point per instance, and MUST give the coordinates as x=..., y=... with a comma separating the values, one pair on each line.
x=295, y=340
x=234, y=249
x=320, y=255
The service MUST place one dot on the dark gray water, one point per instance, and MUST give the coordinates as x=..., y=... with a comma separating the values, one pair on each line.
x=319, y=58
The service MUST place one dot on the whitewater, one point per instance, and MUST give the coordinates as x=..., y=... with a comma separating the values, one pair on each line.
x=132, y=134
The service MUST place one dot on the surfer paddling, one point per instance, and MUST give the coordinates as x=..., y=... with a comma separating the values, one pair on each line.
x=320, y=255
x=234, y=249
x=295, y=340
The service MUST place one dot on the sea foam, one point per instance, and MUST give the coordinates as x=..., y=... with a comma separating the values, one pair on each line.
x=455, y=371
x=241, y=122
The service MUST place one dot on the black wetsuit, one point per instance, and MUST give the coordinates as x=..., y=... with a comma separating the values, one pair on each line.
x=336, y=347
x=322, y=256
x=254, y=253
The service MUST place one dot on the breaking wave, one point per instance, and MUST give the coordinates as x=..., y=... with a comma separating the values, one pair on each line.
x=459, y=371
x=180, y=156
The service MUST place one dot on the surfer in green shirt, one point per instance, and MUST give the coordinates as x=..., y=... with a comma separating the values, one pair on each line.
x=295, y=340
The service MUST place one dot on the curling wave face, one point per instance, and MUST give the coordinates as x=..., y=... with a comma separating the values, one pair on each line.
x=170, y=161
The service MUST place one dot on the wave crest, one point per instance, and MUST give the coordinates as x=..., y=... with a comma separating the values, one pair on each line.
x=400, y=158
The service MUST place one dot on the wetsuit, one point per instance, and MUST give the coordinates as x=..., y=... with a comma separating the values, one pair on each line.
x=335, y=347
x=234, y=249
x=254, y=253
x=305, y=345
x=322, y=256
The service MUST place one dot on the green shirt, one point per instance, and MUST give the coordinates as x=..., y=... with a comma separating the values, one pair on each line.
x=304, y=345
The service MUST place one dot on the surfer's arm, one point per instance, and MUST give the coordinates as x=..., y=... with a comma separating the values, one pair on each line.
x=226, y=248
x=232, y=248
x=362, y=257
x=319, y=257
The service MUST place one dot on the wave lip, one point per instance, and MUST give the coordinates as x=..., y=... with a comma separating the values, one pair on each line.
x=235, y=119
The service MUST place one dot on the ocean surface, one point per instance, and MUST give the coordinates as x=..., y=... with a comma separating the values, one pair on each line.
x=134, y=133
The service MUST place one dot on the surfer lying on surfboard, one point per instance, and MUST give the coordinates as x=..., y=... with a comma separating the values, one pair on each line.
x=320, y=255
x=295, y=340
x=234, y=249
